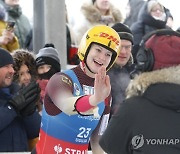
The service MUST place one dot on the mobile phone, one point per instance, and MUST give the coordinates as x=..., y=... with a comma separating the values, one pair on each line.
x=10, y=25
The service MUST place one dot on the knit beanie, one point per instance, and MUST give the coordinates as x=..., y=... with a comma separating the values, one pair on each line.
x=50, y=56
x=5, y=58
x=123, y=31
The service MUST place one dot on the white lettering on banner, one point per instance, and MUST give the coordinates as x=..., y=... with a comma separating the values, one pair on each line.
x=88, y=90
x=84, y=132
x=58, y=149
x=91, y=118
x=81, y=140
x=74, y=151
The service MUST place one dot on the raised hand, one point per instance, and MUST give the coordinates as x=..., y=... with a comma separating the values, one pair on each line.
x=102, y=87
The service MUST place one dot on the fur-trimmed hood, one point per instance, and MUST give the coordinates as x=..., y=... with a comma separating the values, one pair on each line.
x=148, y=20
x=140, y=83
x=93, y=15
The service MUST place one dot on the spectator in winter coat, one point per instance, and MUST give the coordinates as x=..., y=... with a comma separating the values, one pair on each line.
x=47, y=64
x=120, y=72
x=148, y=120
x=25, y=73
x=22, y=24
x=152, y=16
x=95, y=13
x=19, y=120
x=8, y=40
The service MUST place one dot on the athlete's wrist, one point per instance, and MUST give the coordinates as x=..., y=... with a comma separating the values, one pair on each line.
x=93, y=100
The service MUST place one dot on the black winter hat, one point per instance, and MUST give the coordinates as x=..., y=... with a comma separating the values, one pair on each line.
x=123, y=31
x=50, y=56
x=5, y=58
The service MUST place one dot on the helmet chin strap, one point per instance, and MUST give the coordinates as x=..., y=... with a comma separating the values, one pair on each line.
x=85, y=65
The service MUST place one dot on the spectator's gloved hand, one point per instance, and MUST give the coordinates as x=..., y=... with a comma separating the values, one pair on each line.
x=29, y=109
x=26, y=98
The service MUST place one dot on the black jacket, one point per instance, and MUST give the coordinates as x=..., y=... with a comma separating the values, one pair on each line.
x=120, y=78
x=148, y=122
x=144, y=25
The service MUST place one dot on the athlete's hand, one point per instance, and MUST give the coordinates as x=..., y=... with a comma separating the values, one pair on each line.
x=102, y=87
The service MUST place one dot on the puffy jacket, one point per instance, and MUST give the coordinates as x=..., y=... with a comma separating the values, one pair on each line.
x=15, y=130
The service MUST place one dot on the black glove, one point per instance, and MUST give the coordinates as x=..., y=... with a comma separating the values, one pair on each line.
x=25, y=96
x=29, y=109
x=32, y=107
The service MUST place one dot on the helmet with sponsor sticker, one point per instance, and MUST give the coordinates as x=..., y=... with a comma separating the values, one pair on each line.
x=104, y=36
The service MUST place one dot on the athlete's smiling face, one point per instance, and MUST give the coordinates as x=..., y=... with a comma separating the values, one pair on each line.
x=98, y=56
